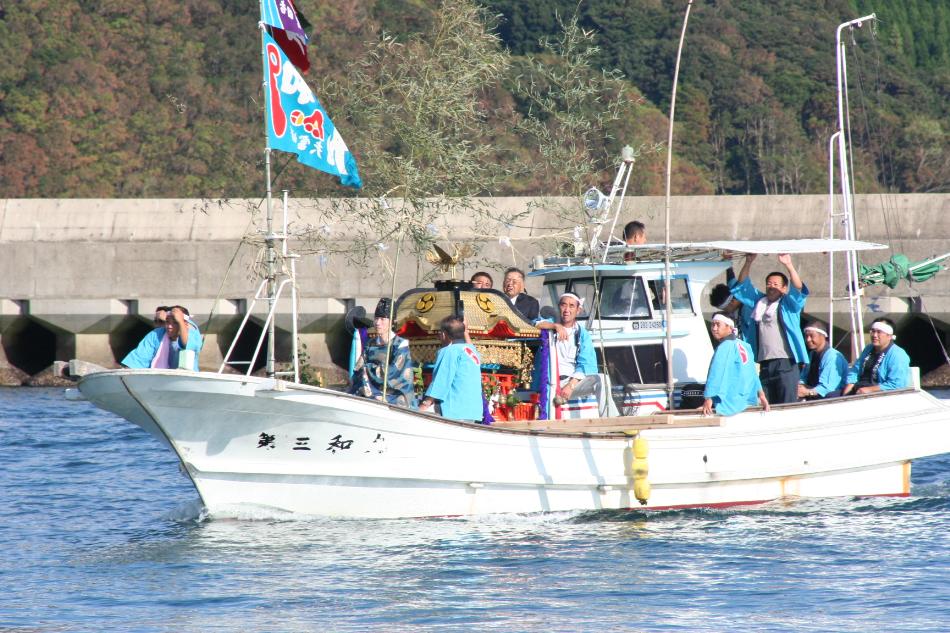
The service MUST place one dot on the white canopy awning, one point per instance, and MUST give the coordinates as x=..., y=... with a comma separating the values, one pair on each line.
x=793, y=246
x=712, y=250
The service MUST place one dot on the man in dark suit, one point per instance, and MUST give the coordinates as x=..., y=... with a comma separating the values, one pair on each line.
x=513, y=286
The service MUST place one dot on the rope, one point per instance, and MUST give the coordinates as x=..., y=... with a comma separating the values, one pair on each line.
x=891, y=175
x=886, y=207
x=943, y=348
x=227, y=271
x=887, y=204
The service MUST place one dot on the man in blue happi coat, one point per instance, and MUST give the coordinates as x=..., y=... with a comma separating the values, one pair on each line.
x=824, y=375
x=882, y=365
x=776, y=314
x=371, y=370
x=731, y=382
x=576, y=361
x=456, y=387
x=721, y=298
x=161, y=348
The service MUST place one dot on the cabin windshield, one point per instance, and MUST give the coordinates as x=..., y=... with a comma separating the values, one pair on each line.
x=621, y=297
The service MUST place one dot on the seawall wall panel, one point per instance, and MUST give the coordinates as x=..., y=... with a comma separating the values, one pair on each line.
x=92, y=267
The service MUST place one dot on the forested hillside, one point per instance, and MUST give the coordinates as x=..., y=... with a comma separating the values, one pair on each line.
x=757, y=98
x=162, y=98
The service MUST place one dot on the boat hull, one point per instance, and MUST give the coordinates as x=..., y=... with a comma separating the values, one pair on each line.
x=254, y=443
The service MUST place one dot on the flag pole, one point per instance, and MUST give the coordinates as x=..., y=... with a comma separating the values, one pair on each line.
x=271, y=271
x=269, y=235
x=311, y=136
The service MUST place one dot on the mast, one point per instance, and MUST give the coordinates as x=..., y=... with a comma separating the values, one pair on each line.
x=281, y=267
x=292, y=258
x=667, y=270
x=271, y=256
x=271, y=275
x=621, y=180
x=847, y=192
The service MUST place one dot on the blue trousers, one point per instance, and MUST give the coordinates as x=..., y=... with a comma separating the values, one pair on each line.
x=779, y=378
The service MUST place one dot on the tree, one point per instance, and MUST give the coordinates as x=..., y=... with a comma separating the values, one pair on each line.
x=413, y=110
x=573, y=112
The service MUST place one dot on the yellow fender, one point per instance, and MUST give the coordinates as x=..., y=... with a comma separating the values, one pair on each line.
x=641, y=469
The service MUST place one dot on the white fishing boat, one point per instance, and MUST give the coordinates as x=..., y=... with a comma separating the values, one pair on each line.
x=250, y=443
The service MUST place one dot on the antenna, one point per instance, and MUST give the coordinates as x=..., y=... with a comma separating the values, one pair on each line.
x=845, y=167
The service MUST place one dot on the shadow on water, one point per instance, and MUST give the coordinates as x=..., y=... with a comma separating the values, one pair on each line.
x=936, y=499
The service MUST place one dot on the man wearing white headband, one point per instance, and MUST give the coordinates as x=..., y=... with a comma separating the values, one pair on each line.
x=577, y=364
x=882, y=365
x=162, y=347
x=732, y=384
x=776, y=313
x=721, y=298
x=824, y=375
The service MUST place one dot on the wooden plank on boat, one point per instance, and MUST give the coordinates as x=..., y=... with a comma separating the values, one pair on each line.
x=625, y=424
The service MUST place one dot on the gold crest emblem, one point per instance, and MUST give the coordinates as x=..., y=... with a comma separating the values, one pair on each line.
x=485, y=303
x=425, y=302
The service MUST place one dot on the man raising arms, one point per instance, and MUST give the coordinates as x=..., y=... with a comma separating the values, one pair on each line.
x=776, y=314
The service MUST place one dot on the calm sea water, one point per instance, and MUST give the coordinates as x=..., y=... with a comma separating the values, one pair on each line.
x=100, y=532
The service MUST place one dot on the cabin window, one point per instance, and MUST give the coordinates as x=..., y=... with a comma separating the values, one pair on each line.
x=552, y=291
x=624, y=298
x=621, y=297
x=679, y=290
x=583, y=288
x=635, y=364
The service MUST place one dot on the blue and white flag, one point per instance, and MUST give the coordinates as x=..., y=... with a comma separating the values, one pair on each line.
x=297, y=123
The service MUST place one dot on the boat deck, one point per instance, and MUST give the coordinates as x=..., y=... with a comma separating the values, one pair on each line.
x=627, y=424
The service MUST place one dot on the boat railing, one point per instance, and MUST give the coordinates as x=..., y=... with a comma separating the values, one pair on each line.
x=271, y=288
x=628, y=425
x=616, y=254
x=262, y=293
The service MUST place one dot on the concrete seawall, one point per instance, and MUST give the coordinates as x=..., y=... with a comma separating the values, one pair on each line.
x=81, y=277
